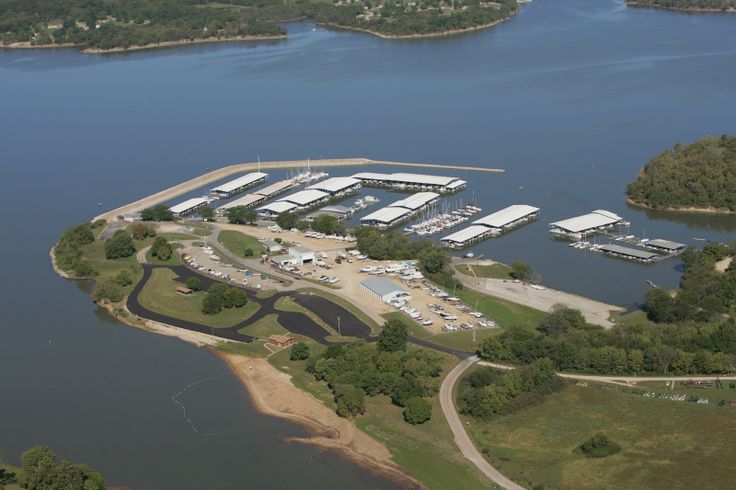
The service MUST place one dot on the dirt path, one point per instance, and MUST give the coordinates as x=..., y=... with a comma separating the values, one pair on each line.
x=273, y=393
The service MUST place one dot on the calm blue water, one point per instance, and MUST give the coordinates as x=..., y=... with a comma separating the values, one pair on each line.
x=570, y=96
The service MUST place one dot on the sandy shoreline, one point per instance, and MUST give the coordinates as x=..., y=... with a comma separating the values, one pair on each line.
x=680, y=210
x=273, y=394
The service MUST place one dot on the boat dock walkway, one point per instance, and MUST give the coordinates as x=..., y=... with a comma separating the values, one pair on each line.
x=221, y=173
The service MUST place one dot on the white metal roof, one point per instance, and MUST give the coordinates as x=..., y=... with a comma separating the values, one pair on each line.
x=456, y=184
x=466, y=234
x=305, y=197
x=241, y=181
x=278, y=207
x=598, y=218
x=382, y=286
x=185, y=206
x=666, y=244
x=335, y=184
x=246, y=200
x=406, y=178
x=503, y=217
x=631, y=252
x=275, y=187
x=386, y=215
x=416, y=201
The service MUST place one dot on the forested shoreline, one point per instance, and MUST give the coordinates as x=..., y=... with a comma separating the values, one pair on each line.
x=102, y=25
x=697, y=176
x=686, y=5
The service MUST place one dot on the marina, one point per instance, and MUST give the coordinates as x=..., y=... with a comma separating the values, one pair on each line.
x=407, y=181
x=594, y=222
x=230, y=189
x=400, y=210
x=492, y=225
x=189, y=206
x=435, y=223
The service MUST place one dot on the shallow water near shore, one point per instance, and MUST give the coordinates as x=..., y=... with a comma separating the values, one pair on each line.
x=571, y=97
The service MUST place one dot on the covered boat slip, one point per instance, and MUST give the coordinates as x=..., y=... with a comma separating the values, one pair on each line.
x=492, y=225
x=412, y=181
x=580, y=226
x=400, y=210
x=189, y=206
x=629, y=253
x=236, y=186
x=337, y=185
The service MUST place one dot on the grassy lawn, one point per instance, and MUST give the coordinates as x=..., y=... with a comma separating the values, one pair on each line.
x=666, y=444
x=159, y=295
x=495, y=271
x=94, y=253
x=345, y=304
x=264, y=328
x=300, y=377
x=505, y=313
x=238, y=242
x=463, y=340
x=254, y=349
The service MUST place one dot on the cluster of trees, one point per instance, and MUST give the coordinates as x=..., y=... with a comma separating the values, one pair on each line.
x=68, y=252
x=359, y=369
x=299, y=352
x=42, y=472
x=161, y=249
x=705, y=294
x=488, y=392
x=119, y=245
x=389, y=245
x=111, y=289
x=287, y=220
x=572, y=345
x=329, y=225
x=158, y=212
x=598, y=446
x=220, y=296
x=107, y=24
x=241, y=215
x=686, y=4
x=140, y=231
x=194, y=283
x=699, y=175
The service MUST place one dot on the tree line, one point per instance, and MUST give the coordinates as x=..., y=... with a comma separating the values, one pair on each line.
x=574, y=346
x=686, y=4
x=106, y=24
x=699, y=175
x=68, y=250
x=360, y=369
x=41, y=471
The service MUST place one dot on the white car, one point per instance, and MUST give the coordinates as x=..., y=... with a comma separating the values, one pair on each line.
x=427, y=322
x=476, y=314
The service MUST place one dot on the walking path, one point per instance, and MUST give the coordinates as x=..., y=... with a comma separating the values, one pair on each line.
x=221, y=173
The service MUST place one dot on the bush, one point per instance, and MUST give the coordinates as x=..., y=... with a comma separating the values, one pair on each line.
x=299, y=352
x=598, y=446
x=85, y=269
x=120, y=245
x=212, y=304
x=123, y=278
x=248, y=252
x=108, y=290
x=194, y=283
x=234, y=298
x=393, y=336
x=139, y=231
x=350, y=400
x=417, y=411
x=161, y=249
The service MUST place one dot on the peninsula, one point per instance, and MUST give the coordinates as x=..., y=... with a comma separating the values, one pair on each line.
x=687, y=5
x=698, y=177
x=109, y=26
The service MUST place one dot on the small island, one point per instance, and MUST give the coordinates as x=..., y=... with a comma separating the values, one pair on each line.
x=698, y=177
x=108, y=26
x=686, y=5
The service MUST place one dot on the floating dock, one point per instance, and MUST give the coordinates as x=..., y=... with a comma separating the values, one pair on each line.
x=406, y=181
x=189, y=206
x=492, y=225
x=579, y=227
x=229, y=189
x=628, y=253
x=400, y=210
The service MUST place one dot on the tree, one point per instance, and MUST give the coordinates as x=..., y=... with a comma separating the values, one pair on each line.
x=521, y=270
x=108, y=290
x=123, y=278
x=287, y=220
x=434, y=260
x=6, y=477
x=659, y=305
x=250, y=216
x=161, y=249
x=140, y=231
x=234, y=298
x=329, y=225
x=119, y=245
x=38, y=464
x=393, y=336
x=236, y=215
x=40, y=472
x=302, y=226
x=299, y=352
x=350, y=400
x=85, y=269
x=212, y=303
x=248, y=252
x=157, y=213
x=417, y=411
x=598, y=446
x=194, y=283
x=561, y=320
x=206, y=213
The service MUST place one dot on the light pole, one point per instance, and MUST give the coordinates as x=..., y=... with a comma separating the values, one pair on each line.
x=339, y=331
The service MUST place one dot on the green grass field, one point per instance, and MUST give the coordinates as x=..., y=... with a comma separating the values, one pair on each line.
x=463, y=340
x=300, y=377
x=495, y=271
x=254, y=349
x=665, y=444
x=237, y=243
x=264, y=327
x=503, y=312
x=159, y=295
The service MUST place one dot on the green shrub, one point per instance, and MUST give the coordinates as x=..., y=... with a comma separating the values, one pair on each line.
x=299, y=352
x=417, y=411
x=598, y=446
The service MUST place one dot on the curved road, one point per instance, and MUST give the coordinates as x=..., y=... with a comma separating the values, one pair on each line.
x=462, y=439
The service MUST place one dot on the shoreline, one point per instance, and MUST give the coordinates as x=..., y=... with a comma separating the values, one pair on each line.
x=273, y=394
x=716, y=211
x=429, y=35
x=136, y=47
x=682, y=9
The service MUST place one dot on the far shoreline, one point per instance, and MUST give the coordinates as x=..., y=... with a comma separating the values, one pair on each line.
x=682, y=9
x=714, y=211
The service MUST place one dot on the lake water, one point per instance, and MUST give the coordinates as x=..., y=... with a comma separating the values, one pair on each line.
x=571, y=97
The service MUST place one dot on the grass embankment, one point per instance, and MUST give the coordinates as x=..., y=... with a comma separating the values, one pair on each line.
x=237, y=243
x=264, y=327
x=159, y=295
x=495, y=271
x=503, y=312
x=256, y=348
x=666, y=444
x=426, y=451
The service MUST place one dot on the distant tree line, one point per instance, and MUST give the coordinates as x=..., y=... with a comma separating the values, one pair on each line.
x=686, y=4
x=487, y=392
x=572, y=345
x=699, y=175
x=106, y=24
x=360, y=369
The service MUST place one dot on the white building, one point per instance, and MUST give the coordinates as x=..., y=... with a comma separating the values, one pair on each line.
x=411, y=181
x=337, y=185
x=385, y=290
x=276, y=208
x=580, y=226
x=302, y=254
x=229, y=189
x=189, y=206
